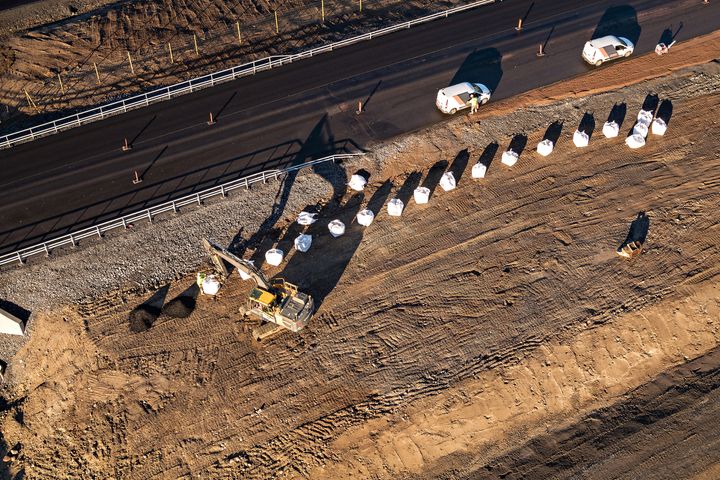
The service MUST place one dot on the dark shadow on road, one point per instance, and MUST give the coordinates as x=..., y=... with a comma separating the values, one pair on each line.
x=668, y=36
x=553, y=131
x=459, y=164
x=587, y=124
x=184, y=304
x=143, y=317
x=617, y=114
x=142, y=130
x=481, y=66
x=620, y=21
x=369, y=97
x=222, y=109
x=434, y=175
x=664, y=111
x=157, y=157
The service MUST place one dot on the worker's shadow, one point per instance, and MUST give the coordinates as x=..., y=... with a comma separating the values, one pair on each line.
x=638, y=229
x=620, y=21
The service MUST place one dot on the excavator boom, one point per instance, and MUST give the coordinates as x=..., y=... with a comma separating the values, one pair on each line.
x=218, y=254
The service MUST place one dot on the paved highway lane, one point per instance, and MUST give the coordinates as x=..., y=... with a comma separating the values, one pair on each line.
x=307, y=109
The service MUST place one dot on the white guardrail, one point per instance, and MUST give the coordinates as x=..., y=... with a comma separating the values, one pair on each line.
x=96, y=231
x=210, y=80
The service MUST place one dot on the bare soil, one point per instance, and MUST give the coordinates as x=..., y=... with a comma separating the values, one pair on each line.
x=491, y=333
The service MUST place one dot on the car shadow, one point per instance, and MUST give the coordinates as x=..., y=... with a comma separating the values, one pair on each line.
x=481, y=66
x=620, y=21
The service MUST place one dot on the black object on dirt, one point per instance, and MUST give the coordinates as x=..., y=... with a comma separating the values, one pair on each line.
x=143, y=318
x=184, y=304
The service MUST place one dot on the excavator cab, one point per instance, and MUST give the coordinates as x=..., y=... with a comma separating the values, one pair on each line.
x=277, y=302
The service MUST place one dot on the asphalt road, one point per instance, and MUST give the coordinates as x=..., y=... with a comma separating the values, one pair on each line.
x=306, y=110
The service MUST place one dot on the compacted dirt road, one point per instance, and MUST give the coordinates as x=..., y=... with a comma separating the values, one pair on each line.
x=492, y=333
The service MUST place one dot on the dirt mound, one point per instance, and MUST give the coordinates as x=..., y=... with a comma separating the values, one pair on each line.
x=143, y=318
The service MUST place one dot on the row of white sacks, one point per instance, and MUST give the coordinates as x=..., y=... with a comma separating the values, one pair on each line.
x=365, y=217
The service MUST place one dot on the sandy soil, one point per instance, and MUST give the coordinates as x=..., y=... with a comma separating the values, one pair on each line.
x=94, y=31
x=491, y=333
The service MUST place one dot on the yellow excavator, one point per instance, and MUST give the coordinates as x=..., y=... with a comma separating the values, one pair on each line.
x=276, y=303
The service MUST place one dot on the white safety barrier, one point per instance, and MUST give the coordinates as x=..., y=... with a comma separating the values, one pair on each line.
x=581, y=139
x=659, y=127
x=274, y=256
x=421, y=195
x=365, y=217
x=509, y=158
x=447, y=182
x=357, y=183
x=611, y=129
x=303, y=242
x=479, y=170
x=395, y=207
x=545, y=147
x=337, y=228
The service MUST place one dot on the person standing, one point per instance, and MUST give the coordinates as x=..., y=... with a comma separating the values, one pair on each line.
x=473, y=103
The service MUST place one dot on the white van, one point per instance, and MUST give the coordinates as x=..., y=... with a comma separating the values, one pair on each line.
x=602, y=49
x=457, y=97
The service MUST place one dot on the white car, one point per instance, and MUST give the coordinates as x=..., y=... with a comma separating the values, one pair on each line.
x=600, y=50
x=457, y=97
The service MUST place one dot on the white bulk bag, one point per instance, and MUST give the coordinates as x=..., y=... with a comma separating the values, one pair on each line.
x=479, y=170
x=640, y=129
x=545, y=147
x=210, y=285
x=611, y=129
x=659, y=126
x=509, y=158
x=395, y=207
x=274, y=257
x=581, y=139
x=306, y=218
x=645, y=117
x=357, y=182
x=244, y=275
x=303, y=242
x=635, y=141
x=365, y=217
x=421, y=195
x=336, y=227
x=447, y=182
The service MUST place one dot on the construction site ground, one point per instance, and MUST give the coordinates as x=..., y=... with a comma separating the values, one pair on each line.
x=492, y=333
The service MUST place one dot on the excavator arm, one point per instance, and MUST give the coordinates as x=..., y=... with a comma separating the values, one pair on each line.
x=220, y=255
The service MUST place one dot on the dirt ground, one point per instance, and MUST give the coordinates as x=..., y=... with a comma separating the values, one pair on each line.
x=492, y=333
x=70, y=37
